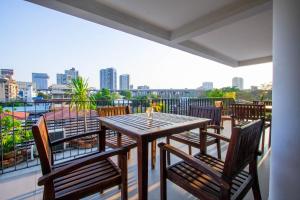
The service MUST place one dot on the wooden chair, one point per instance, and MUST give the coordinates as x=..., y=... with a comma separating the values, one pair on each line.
x=79, y=177
x=268, y=117
x=207, y=177
x=225, y=116
x=243, y=113
x=192, y=139
x=116, y=140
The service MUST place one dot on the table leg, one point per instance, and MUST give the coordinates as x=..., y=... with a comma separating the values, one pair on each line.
x=101, y=138
x=202, y=139
x=142, y=168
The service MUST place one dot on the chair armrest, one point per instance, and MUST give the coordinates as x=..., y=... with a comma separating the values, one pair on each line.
x=73, y=137
x=80, y=163
x=199, y=165
x=218, y=136
x=214, y=127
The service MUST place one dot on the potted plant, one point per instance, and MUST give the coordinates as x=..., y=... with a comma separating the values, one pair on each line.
x=83, y=102
x=10, y=136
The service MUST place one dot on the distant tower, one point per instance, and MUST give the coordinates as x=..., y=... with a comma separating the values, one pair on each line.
x=108, y=78
x=67, y=77
x=124, y=82
x=40, y=80
x=207, y=85
x=238, y=82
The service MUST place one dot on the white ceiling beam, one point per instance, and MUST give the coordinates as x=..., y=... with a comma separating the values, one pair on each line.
x=255, y=61
x=205, y=52
x=221, y=17
x=96, y=12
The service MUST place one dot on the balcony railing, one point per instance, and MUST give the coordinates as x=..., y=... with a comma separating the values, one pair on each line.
x=18, y=149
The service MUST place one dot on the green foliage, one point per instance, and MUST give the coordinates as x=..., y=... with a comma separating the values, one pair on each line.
x=43, y=95
x=214, y=93
x=143, y=97
x=126, y=93
x=230, y=89
x=12, y=133
x=81, y=98
x=235, y=93
x=115, y=96
x=103, y=94
x=153, y=96
x=80, y=95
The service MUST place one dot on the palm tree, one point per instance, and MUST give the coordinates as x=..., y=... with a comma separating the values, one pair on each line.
x=80, y=97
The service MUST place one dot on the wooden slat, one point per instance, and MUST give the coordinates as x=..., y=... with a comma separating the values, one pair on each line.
x=200, y=181
x=86, y=176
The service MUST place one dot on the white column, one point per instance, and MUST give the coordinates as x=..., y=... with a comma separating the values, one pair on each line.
x=285, y=155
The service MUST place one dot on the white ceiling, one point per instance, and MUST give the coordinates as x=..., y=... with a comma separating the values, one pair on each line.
x=243, y=40
x=232, y=32
x=180, y=12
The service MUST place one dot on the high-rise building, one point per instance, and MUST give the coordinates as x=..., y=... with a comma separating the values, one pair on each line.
x=253, y=88
x=124, y=82
x=131, y=87
x=26, y=90
x=40, y=80
x=67, y=77
x=6, y=73
x=108, y=78
x=238, y=82
x=8, y=88
x=207, y=86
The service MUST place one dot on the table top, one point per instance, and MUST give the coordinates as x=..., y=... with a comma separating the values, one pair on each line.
x=137, y=125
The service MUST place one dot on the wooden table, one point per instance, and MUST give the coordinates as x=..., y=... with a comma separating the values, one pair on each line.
x=144, y=130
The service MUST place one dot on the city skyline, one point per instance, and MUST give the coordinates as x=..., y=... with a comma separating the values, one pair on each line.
x=64, y=40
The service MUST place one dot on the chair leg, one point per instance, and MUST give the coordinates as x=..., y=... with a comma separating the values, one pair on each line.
x=190, y=149
x=219, y=149
x=153, y=154
x=163, y=177
x=255, y=185
x=168, y=154
x=124, y=174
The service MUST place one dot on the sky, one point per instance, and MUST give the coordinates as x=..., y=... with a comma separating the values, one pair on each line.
x=38, y=39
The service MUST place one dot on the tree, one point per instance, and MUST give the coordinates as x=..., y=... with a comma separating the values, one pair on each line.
x=115, y=96
x=103, y=94
x=81, y=98
x=126, y=93
x=214, y=93
x=44, y=96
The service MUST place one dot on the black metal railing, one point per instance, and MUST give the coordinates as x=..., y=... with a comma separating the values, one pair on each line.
x=18, y=151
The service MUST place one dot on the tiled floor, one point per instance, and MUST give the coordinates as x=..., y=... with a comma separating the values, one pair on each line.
x=22, y=184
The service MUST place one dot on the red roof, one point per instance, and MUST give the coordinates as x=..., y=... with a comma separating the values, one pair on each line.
x=67, y=113
x=16, y=115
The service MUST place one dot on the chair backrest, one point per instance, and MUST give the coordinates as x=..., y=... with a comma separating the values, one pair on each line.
x=246, y=112
x=212, y=113
x=243, y=147
x=42, y=141
x=113, y=110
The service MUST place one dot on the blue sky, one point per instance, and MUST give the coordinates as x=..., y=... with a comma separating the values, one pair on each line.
x=37, y=39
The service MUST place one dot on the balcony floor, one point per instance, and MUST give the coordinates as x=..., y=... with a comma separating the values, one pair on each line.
x=22, y=184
